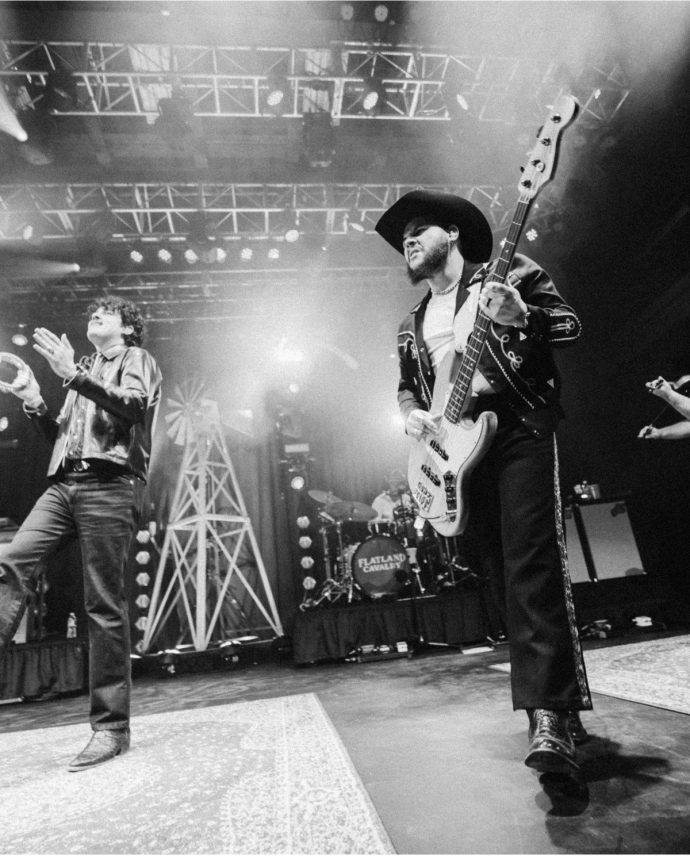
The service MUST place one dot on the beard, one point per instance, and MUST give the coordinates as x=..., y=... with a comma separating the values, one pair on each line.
x=431, y=262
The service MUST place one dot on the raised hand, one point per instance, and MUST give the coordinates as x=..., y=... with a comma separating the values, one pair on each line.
x=25, y=387
x=58, y=351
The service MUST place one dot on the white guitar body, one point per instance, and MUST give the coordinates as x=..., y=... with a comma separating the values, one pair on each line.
x=440, y=465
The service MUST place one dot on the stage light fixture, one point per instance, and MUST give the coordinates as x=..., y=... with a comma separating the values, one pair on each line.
x=32, y=234
x=307, y=562
x=297, y=482
x=277, y=94
x=175, y=115
x=190, y=256
x=4, y=424
x=8, y=118
x=143, y=579
x=142, y=558
x=273, y=254
x=164, y=256
x=136, y=256
x=374, y=94
x=292, y=233
x=347, y=11
x=381, y=13
x=305, y=542
x=303, y=522
x=246, y=254
x=20, y=340
x=61, y=90
x=293, y=388
x=142, y=600
x=309, y=583
x=456, y=102
x=355, y=228
x=214, y=255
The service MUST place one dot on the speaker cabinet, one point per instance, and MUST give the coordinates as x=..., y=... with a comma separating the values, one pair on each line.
x=600, y=542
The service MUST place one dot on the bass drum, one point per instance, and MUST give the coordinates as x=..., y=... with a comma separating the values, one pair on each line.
x=380, y=566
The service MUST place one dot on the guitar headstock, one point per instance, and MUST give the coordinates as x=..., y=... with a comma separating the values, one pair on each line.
x=541, y=164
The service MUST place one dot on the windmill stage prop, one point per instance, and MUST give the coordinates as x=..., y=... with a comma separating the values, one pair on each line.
x=217, y=569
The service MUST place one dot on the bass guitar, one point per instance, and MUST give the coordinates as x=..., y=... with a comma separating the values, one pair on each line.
x=440, y=464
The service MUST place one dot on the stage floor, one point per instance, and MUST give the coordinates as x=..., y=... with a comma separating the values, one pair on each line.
x=439, y=750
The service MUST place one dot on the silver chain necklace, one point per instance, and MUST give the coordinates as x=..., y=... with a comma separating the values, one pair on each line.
x=447, y=290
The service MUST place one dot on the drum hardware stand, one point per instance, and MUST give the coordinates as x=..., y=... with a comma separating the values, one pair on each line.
x=418, y=587
x=341, y=583
x=345, y=585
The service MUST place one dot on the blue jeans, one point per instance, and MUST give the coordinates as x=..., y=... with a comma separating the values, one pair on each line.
x=102, y=514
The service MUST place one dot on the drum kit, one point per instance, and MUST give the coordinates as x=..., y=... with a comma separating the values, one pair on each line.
x=369, y=557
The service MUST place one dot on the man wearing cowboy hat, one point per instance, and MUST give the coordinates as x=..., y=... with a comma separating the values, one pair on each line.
x=515, y=516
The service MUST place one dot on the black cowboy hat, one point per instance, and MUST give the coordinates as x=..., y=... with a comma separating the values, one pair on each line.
x=476, y=239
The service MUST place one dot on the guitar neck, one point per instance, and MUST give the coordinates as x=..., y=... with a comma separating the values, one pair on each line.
x=475, y=343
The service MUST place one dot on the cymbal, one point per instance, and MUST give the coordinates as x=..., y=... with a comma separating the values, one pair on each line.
x=326, y=497
x=351, y=510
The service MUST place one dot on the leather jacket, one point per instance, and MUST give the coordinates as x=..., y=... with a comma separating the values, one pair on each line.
x=121, y=391
x=517, y=362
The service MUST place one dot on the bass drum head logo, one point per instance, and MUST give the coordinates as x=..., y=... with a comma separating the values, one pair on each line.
x=380, y=566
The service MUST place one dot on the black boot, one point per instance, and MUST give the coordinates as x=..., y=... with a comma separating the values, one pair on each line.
x=103, y=746
x=551, y=747
x=577, y=730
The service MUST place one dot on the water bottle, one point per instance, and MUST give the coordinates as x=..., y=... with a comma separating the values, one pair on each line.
x=72, y=625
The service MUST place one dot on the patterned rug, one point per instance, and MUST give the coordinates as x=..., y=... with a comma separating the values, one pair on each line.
x=649, y=672
x=258, y=777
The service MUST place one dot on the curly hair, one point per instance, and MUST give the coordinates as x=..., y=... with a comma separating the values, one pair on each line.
x=129, y=313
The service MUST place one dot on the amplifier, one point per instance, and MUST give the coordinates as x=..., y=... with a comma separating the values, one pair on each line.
x=600, y=542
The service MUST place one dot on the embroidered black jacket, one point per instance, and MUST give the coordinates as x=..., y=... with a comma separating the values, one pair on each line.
x=518, y=363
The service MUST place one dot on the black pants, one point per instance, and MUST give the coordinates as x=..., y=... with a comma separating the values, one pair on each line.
x=102, y=514
x=517, y=530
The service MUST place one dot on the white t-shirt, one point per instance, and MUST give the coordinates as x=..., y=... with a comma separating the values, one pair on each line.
x=443, y=329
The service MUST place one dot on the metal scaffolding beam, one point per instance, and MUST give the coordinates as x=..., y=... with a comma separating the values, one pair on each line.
x=162, y=211
x=219, y=295
x=120, y=79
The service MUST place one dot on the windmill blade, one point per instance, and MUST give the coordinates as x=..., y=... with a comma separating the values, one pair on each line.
x=190, y=411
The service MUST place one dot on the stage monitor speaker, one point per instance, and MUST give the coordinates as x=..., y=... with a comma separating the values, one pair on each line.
x=603, y=532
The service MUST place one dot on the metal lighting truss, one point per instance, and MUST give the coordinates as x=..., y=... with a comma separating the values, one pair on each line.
x=203, y=296
x=162, y=211
x=128, y=80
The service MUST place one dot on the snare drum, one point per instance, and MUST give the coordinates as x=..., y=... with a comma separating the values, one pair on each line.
x=380, y=566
